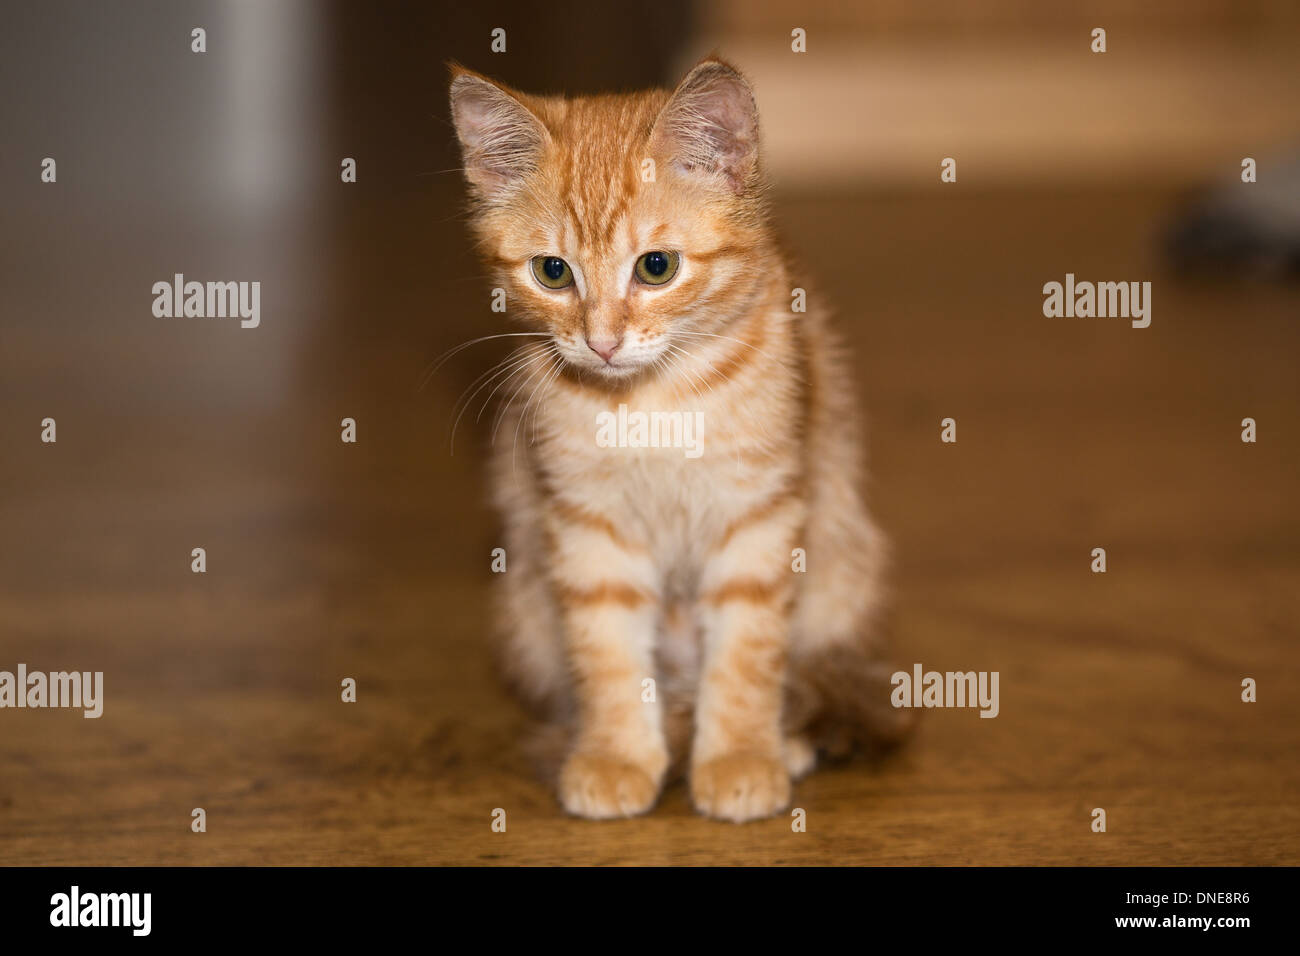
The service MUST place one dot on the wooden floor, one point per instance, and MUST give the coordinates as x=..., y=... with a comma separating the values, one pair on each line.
x=1118, y=690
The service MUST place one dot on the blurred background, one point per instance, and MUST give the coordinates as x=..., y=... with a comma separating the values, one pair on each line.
x=328, y=560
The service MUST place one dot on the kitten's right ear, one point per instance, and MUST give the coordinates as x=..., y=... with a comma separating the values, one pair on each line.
x=501, y=140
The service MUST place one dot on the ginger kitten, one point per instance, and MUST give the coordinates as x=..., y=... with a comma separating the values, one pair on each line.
x=631, y=235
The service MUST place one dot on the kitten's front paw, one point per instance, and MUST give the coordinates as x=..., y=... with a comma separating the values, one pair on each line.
x=599, y=787
x=740, y=787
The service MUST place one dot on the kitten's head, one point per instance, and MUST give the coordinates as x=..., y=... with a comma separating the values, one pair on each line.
x=621, y=225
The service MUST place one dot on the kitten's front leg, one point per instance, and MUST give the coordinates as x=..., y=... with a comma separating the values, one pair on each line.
x=746, y=599
x=607, y=591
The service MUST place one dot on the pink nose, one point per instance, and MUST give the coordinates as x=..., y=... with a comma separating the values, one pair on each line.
x=605, y=348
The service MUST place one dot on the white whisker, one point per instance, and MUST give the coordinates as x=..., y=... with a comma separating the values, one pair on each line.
x=505, y=367
x=438, y=362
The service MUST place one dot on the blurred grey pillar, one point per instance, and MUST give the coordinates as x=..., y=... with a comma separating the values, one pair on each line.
x=169, y=160
x=273, y=106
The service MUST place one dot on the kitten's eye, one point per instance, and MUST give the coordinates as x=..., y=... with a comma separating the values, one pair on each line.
x=656, y=268
x=552, y=272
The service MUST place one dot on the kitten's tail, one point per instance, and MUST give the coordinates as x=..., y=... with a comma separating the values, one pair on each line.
x=839, y=697
x=545, y=746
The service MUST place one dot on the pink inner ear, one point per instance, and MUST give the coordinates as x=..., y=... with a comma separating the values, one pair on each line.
x=499, y=135
x=711, y=125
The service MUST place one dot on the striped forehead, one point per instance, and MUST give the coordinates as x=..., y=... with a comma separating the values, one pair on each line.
x=602, y=142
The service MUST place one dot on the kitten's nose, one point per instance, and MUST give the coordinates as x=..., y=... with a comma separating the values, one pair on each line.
x=605, y=348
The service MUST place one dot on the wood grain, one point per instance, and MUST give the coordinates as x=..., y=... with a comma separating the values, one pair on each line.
x=371, y=561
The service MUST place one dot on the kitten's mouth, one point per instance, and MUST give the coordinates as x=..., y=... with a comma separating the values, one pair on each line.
x=618, y=368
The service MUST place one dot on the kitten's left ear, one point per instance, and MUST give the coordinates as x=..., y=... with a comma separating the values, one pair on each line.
x=501, y=139
x=710, y=126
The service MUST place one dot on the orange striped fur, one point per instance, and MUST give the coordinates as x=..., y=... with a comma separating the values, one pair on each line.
x=632, y=564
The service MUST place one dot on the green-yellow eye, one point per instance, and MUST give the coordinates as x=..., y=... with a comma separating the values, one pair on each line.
x=656, y=268
x=552, y=272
